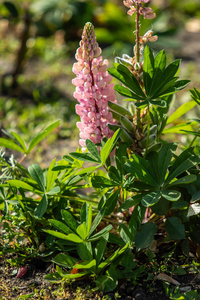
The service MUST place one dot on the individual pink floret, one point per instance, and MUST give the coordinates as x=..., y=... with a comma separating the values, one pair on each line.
x=93, y=89
x=135, y=5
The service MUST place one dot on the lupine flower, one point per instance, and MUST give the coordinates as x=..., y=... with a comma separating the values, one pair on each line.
x=135, y=5
x=93, y=89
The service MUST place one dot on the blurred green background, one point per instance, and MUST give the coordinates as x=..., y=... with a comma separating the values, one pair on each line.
x=38, y=40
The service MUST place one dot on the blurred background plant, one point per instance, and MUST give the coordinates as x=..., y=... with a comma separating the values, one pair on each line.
x=37, y=46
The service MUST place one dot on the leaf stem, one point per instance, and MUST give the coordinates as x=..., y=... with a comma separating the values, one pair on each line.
x=22, y=159
x=137, y=32
x=194, y=139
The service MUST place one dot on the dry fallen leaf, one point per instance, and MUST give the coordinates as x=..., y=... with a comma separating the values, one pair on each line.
x=167, y=278
x=198, y=252
x=22, y=271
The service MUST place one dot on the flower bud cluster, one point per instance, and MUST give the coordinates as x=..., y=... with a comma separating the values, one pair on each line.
x=93, y=89
x=137, y=5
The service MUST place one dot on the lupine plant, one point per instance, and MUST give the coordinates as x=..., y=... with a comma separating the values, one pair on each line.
x=144, y=188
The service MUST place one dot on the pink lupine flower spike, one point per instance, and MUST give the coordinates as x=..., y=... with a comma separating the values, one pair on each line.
x=93, y=89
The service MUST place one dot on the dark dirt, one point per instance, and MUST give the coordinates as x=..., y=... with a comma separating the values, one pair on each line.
x=34, y=285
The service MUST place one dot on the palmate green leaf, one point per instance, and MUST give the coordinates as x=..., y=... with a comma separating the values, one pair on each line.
x=114, y=239
x=184, y=180
x=137, y=217
x=133, y=83
x=186, y=160
x=111, y=258
x=53, y=277
x=109, y=145
x=130, y=202
x=86, y=265
x=195, y=95
x=159, y=66
x=23, y=185
x=41, y=135
x=180, y=204
x=100, y=248
x=127, y=78
x=96, y=221
x=106, y=283
x=99, y=234
x=20, y=140
x=69, y=220
x=148, y=69
x=175, y=228
x=195, y=197
x=84, y=212
x=151, y=198
x=161, y=103
x=74, y=276
x=125, y=234
x=111, y=202
x=168, y=88
x=145, y=235
x=89, y=219
x=127, y=260
x=86, y=215
x=141, y=104
x=164, y=158
x=193, y=210
x=161, y=207
x=171, y=195
x=184, y=108
x=102, y=182
x=64, y=260
x=54, y=191
x=82, y=230
x=191, y=132
x=181, y=84
x=115, y=175
x=180, y=128
x=126, y=92
x=37, y=174
x=10, y=145
x=70, y=237
x=85, y=251
x=42, y=207
x=60, y=226
x=121, y=158
x=142, y=169
x=93, y=150
x=88, y=170
x=167, y=75
x=159, y=63
x=51, y=176
x=84, y=157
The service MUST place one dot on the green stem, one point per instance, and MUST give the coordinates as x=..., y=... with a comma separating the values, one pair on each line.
x=194, y=139
x=138, y=117
x=137, y=32
x=137, y=35
x=148, y=132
